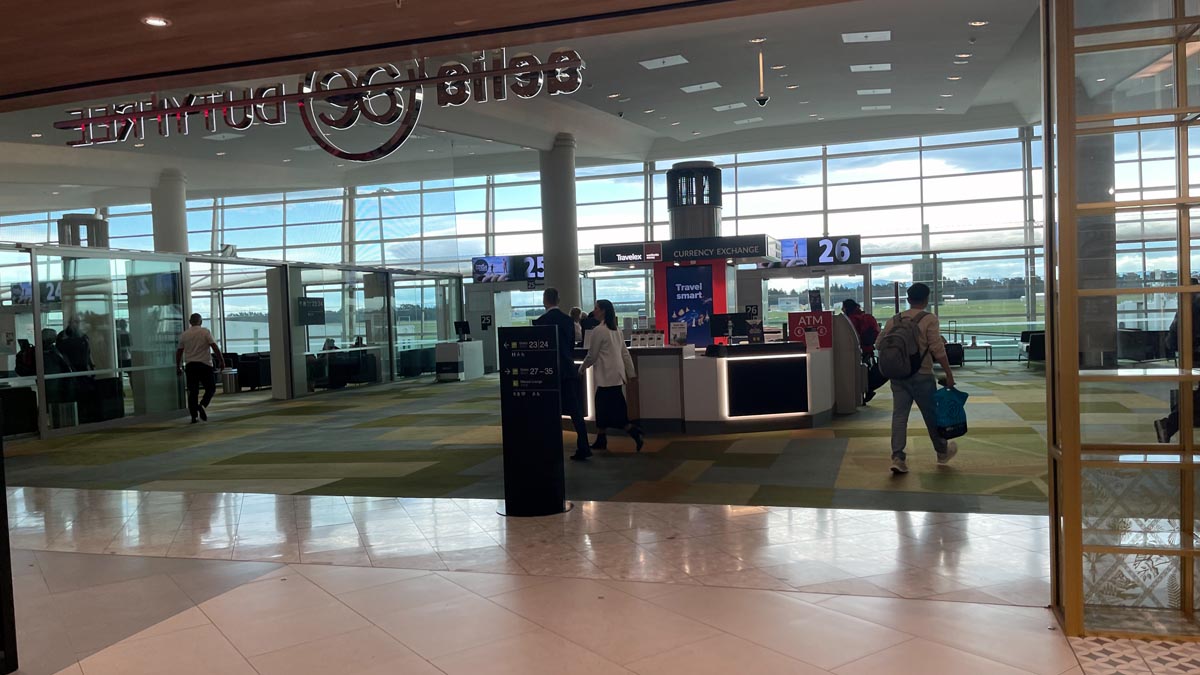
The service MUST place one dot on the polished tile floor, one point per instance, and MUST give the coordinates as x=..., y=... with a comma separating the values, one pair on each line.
x=118, y=582
x=997, y=559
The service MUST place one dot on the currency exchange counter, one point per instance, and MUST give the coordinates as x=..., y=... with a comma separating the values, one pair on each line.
x=726, y=389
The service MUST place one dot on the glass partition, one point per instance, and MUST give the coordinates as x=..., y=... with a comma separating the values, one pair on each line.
x=108, y=333
x=347, y=329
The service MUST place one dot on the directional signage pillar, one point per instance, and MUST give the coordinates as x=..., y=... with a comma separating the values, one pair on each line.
x=531, y=421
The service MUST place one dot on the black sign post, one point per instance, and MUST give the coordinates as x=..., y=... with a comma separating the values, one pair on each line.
x=531, y=422
x=8, y=620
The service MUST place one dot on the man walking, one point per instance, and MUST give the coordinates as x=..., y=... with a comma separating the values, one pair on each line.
x=569, y=374
x=197, y=350
x=919, y=330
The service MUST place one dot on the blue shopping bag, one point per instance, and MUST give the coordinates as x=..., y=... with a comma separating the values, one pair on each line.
x=951, y=412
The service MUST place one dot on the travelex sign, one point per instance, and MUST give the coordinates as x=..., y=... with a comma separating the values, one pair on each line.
x=759, y=247
x=334, y=101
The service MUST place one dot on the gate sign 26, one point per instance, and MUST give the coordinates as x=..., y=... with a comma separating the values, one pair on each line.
x=819, y=251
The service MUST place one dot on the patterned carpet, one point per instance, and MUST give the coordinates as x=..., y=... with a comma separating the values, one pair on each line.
x=420, y=439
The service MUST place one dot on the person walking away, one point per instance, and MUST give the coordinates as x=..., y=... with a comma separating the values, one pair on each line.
x=1168, y=426
x=568, y=375
x=867, y=329
x=614, y=368
x=194, y=358
x=910, y=343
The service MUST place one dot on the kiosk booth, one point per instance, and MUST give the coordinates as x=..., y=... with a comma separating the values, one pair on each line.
x=489, y=299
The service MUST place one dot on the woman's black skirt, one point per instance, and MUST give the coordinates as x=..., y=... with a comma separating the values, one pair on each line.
x=611, y=411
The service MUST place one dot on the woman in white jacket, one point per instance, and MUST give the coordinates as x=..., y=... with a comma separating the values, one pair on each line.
x=613, y=369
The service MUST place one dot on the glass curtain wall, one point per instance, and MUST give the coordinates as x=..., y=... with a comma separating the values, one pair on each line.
x=1122, y=432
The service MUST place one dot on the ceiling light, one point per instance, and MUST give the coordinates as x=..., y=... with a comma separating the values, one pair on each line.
x=820, y=119
x=139, y=145
x=868, y=36
x=663, y=62
x=748, y=120
x=939, y=108
x=440, y=131
x=954, y=78
x=614, y=95
x=341, y=165
x=35, y=135
x=757, y=40
x=1101, y=79
x=431, y=150
x=778, y=66
x=868, y=108
x=470, y=153
x=871, y=68
x=54, y=192
x=977, y=24
x=729, y=106
x=624, y=100
x=674, y=124
x=813, y=115
x=221, y=154
x=961, y=63
x=703, y=86
x=286, y=161
x=946, y=95
x=155, y=21
x=1169, y=85
x=793, y=86
x=801, y=102
x=648, y=110
x=873, y=92
x=632, y=266
x=695, y=133
x=963, y=55
x=488, y=140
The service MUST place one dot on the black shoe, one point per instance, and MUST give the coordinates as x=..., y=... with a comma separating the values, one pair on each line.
x=1160, y=429
x=867, y=399
x=638, y=437
x=601, y=443
x=581, y=455
x=203, y=415
x=194, y=420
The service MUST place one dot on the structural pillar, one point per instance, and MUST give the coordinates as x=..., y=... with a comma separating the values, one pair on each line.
x=560, y=232
x=168, y=207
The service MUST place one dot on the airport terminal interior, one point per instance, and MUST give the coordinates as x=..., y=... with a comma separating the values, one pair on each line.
x=367, y=219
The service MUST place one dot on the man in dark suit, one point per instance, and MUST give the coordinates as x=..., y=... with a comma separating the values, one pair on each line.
x=569, y=379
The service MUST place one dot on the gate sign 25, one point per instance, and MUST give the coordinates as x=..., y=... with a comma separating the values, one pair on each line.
x=819, y=251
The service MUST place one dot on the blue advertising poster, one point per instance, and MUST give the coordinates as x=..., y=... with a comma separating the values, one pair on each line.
x=690, y=301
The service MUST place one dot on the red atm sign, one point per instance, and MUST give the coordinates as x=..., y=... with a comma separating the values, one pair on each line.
x=822, y=322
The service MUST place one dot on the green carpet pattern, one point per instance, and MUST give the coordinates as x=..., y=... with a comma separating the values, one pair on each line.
x=421, y=439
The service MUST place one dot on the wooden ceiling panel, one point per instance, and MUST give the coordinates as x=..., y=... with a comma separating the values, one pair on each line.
x=84, y=49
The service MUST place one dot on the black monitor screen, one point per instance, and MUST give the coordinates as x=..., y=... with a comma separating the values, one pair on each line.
x=738, y=322
x=718, y=325
x=462, y=327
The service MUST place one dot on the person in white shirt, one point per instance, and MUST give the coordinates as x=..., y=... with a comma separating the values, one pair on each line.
x=194, y=357
x=577, y=316
x=613, y=369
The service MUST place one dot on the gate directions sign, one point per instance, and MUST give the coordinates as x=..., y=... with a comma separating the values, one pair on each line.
x=337, y=100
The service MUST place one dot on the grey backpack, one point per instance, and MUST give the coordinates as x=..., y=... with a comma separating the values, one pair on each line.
x=899, y=349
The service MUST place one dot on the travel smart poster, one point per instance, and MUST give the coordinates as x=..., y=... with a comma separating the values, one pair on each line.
x=690, y=300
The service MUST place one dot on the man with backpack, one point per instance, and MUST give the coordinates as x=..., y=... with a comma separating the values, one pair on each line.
x=909, y=344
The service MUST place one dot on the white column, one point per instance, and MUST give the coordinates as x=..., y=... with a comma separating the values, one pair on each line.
x=168, y=206
x=560, y=236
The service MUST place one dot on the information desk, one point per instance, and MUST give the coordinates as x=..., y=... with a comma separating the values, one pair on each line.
x=741, y=388
x=459, y=361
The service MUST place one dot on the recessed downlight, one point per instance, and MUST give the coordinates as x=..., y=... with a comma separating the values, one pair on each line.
x=793, y=86
x=954, y=78
x=648, y=110
x=695, y=133
x=778, y=66
x=286, y=161
x=961, y=63
x=221, y=154
x=139, y=145
x=674, y=124
x=978, y=23
x=35, y=135
x=757, y=40
x=1101, y=79
x=156, y=21
x=940, y=108
x=813, y=115
x=963, y=55
x=946, y=95
x=614, y=95
x=54, y=192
